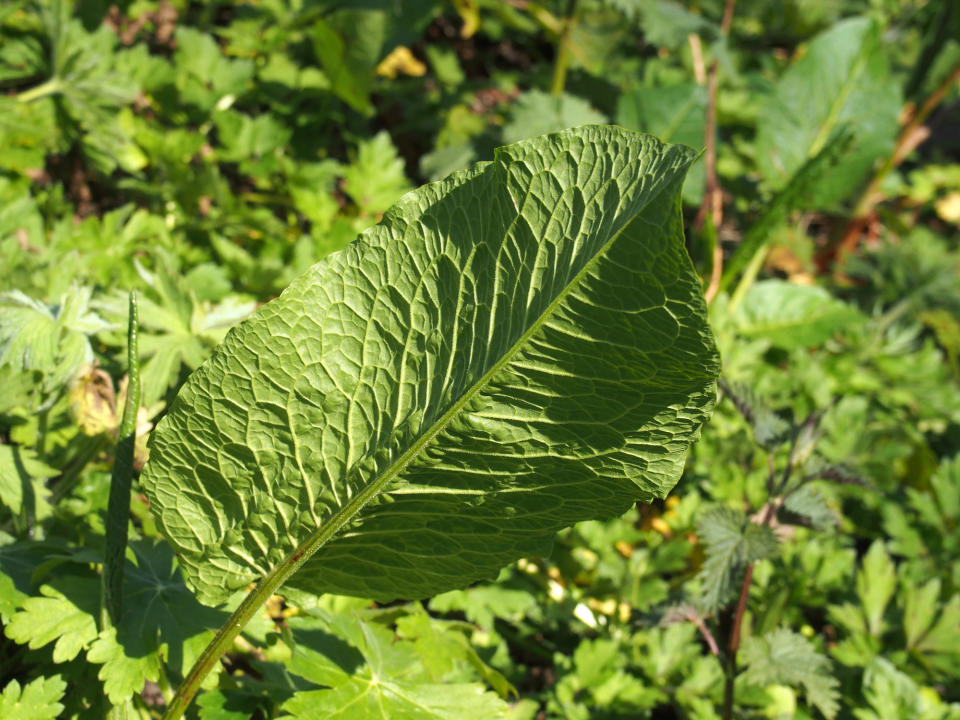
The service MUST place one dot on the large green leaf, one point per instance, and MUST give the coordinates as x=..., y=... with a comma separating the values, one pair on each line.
x=843, y=78
x=512, y=350
x=371, y=674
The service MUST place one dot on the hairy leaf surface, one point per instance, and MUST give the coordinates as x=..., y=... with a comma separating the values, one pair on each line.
x=511, y=350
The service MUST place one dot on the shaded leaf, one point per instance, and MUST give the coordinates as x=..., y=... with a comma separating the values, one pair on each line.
x=371, y=676
x=64, y=615
x=122, y=674
x=21, y=473
x=809, y=503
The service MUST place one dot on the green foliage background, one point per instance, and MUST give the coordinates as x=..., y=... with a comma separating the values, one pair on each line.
x=207, y=154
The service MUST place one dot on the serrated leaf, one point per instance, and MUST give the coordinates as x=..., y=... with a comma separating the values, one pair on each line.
x=160, y=619
x=536, y=113
x=64, y=614
x=50, y=340
x=808, y=503
x=920, y=609
x=375, y=179
x=664, y=22
x=371, y=676
x=843, y=78
x=732, y=543
x=446, y=652
x=123, y=673
x=769, y=429
x=891, y=695
x=944, y=638
x=481, y=604
x=21, y=473
x=787, y=658
x=876, y=583
x=512, y=350
x=792, y=316
x=38, y=700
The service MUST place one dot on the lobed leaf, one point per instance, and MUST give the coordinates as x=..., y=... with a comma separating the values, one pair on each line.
x=512, y=350
x=369, y=674
x=38, y=700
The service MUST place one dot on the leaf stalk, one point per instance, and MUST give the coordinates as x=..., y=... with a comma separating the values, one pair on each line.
x=563, y=49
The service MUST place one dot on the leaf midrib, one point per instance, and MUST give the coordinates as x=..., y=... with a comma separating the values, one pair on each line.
x=328, y=530
x=833, y=113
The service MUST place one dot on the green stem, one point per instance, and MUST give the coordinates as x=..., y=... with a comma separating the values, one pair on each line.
x=118, y=509
x=262, y=592
x=44, y=89
x=748, y=278
x=563, y=50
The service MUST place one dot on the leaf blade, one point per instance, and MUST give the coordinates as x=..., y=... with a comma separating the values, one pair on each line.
x=424, y=354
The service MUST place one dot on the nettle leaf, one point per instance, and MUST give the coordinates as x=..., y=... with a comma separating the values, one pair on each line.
x=809, y=503
x=784, y=657
x=732, y=542
x=512, y=350
x=843, y=78
x=369, y=674
x=38, y=700
x=792, y=316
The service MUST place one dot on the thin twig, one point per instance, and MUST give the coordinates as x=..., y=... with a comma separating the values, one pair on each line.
x=713, y=196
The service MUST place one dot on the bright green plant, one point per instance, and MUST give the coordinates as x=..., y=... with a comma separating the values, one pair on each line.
x=512, y=350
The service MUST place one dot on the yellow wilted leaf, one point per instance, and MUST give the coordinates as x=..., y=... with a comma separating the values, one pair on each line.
x=93, y=401
x=470, y=14
x=948, y=207
x=401, y=60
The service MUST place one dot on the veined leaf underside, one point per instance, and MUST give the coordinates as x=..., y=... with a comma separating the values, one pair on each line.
x=511, y=350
